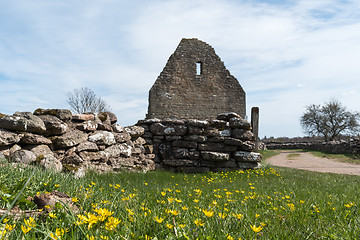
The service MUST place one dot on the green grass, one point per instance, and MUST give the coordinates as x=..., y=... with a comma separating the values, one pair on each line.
x=268, y=153
x=347, y=157
x=279, y=203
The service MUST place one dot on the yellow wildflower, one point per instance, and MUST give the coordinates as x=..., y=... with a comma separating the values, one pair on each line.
x=52, y=215
x=159, y=220
x=58, y=233
x=208, y=213
x=196, y=200
x=238, y=216
x=74, y=200
x=199, y=222
x=170, y=226
x=112, y=223
x=256, y=229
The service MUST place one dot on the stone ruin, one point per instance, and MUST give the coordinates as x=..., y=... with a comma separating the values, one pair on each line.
x=195, y=84
x=186, y=128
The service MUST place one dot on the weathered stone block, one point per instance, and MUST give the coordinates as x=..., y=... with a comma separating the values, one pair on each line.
x=219, y=147
x=83, y=117
x=105, y=127
x=34, y=139
x=196, y=130
x=122, y=137
x=87, y=126
x=139, y=141
x=173, y=138
x=227, y=116
x=214, y=132
x=23, y=122
x=197, y=123
x=162, y=129
x=135, y=131
x=119, y=150
x=243, y=156
x=54, y=126
x=215, y=156
x=239, y=123
x=69, y=139
x=93, y=156
x=242, y=134
x=102, y=138
x=62, y=114
x=87, y=146
x=180, y=162
x=185, y=144
x=181, y=153
x=8, y=138
x=23, y=157
x=195, y=138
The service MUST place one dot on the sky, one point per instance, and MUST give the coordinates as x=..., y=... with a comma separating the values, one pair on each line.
x=285, y=54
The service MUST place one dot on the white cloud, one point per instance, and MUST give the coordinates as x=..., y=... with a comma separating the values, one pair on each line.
x=286, y=56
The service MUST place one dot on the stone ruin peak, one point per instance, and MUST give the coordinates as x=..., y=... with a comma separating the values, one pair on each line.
x=195, y=84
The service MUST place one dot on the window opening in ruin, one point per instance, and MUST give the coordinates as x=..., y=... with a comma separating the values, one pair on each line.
x=199, y=68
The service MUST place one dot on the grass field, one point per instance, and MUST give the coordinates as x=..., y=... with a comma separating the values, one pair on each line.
x=267, y=203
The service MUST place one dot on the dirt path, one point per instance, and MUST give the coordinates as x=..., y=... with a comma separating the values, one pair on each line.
x=307, y=161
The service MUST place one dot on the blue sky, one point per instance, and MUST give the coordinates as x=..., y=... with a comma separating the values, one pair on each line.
x=285, y=54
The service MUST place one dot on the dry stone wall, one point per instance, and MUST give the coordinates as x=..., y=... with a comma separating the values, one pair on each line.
x=351, y=146
x=57, y=139
x=201, y=145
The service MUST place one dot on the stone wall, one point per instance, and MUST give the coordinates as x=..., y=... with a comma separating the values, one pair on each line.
x=183, y=93
x=57, y=139
x=344, y=146
x=201, y=145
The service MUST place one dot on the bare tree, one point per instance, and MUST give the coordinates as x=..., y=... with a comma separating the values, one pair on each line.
x=329, y=120
x=85, y=100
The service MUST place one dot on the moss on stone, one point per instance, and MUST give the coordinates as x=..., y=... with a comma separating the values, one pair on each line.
x=39, y=158
x=103, y=116
x=2, y=115
x=41, y=111
x=70, y=168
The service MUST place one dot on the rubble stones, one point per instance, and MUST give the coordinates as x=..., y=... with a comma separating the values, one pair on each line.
x=227, y=116
x=54, y=126
x=215, y=156
x=135, y=131
x=102, y=138
x=34, y=139
x=69, y=139
x=8, y=138
x=243, y=156
x=83, y=117
x=87, y=146
x=239, y=123
x=23, y=122
x=62, y=114
x=23, y=157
